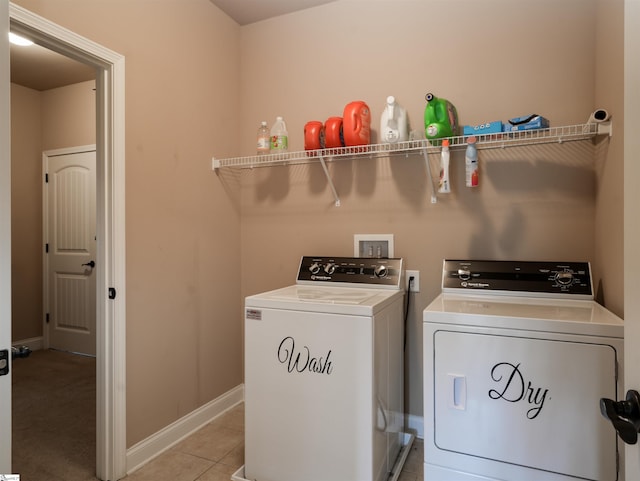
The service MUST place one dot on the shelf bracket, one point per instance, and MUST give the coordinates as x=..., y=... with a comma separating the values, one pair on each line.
x=605, y=128
x=434, y=199
x=326, y=173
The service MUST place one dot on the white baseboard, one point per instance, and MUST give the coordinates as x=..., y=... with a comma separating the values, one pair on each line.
x=147, y=449
x=416, y=425
x=33, y=343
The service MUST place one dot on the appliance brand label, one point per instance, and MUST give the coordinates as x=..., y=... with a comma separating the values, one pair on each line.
x=513, y=388
x=481, y=285
x=253, y=314
x=301, y=360
x=320, y=278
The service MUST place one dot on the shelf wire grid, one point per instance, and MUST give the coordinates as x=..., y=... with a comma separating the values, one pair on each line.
x=483, y=141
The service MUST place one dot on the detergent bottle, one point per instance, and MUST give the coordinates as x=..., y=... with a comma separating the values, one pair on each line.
x=356, y=123
x=333, y=133
x=394, y=126
x=440, y=118
x=314, y=135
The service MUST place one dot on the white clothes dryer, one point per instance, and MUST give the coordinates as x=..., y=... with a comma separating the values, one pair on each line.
x=517, y=356
x=324, y=373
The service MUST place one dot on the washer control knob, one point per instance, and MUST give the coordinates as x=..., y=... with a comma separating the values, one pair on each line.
x=464, y=274
x=329, y=268
x=381, y=271
x=314, y=268
x=564, y=278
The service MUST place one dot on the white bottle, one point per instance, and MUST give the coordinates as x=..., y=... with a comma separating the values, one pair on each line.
x=394, y=126
x=471, y=163
x=444, y=187
x=279, y=136
x=264, y=139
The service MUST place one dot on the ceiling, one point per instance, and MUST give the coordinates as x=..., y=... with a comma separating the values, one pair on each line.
x=249, y=11
x=41, y=69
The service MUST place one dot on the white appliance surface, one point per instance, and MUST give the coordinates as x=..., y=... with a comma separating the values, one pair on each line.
x=359, y=301
x=323, y=383
x=512, y=388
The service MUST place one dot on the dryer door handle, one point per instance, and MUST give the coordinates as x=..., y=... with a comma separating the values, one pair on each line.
x=624, y=415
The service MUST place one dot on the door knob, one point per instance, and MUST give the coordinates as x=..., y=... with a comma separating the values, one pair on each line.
x=90, y=264
x=624, y=415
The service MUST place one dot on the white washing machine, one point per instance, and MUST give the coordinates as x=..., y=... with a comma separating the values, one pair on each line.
x=324, y=373
x=517, y=356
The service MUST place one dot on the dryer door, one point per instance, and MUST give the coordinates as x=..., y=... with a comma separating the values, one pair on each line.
x=525, y=401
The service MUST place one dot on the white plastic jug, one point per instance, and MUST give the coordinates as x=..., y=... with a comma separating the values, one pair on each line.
x=394, y=125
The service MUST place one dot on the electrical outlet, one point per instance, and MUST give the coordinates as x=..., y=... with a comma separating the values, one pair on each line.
x=415, y=285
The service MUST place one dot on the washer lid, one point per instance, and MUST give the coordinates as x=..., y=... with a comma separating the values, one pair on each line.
x=328, y=299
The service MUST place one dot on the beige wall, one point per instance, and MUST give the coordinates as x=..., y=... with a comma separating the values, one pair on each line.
x=26, y=213
x=53, y=119
x=198, y=85
x=69, y=116
x=609, y=234
x=182, y=226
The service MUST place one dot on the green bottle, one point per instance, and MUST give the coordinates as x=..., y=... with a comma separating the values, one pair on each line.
x=440, y=118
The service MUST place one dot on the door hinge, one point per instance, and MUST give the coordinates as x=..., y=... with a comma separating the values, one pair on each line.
x=4, y=362
x=112, y=293
x=46, y=248
x=46, y=318
x=46, y=178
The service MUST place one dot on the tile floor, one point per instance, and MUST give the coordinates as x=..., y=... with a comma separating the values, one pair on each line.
x=216, y=451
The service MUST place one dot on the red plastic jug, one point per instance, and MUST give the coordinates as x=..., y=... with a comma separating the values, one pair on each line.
x=333, y=133
x=356, y=123
x=313, y=135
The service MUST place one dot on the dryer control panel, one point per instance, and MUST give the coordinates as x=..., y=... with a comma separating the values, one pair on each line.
x=526, y=278
x=376, y=272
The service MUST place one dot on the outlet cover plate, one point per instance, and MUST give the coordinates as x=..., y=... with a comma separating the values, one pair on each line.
x=373, y=245
x=415, y=285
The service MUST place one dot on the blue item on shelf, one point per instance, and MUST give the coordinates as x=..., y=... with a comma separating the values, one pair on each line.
x=527, y=122
x=486, y=128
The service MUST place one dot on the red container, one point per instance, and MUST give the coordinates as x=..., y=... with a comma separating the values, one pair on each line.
x=313, y=135
x=333, y=133
x=356, y=123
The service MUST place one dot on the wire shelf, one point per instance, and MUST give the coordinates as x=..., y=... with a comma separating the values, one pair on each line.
x=484, y=141
x=570, y=133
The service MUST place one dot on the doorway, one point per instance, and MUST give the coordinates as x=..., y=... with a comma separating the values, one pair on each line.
x=110, y=292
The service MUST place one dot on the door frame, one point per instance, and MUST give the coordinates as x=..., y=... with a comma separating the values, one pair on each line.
x=631, y=226
x=5, y=235
x=46, y=155
x=110, y=218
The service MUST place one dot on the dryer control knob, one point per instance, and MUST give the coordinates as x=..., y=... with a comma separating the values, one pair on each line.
x=329, y=268
x=381, y=271
x=565, y=278
x=314, y=268
x=464, y=274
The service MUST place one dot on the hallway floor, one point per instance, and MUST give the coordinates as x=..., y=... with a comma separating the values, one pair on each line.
x=216, y=451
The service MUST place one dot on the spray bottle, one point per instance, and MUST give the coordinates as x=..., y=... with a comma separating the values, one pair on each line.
x=444, y=187
x=471, y=162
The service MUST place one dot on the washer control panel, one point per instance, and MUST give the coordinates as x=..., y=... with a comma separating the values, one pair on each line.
x=523, y=277
x=351, y=270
